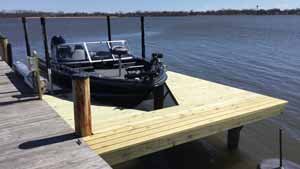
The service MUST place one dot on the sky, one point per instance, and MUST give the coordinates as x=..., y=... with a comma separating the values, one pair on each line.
x=143, y=5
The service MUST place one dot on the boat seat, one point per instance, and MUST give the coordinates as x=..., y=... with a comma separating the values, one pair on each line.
x=79, y=53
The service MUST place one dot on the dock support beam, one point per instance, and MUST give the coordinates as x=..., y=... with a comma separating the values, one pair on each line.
x=82, y=105
x=158, y=97
x=233, y=138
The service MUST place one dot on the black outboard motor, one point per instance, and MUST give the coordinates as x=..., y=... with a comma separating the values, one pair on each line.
x=150, y=71
x=57, y=40
x=155, y=63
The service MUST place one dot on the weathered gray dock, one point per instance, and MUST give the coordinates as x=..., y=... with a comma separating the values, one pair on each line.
x=32, y=135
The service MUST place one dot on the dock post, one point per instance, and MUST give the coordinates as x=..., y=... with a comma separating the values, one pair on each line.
x=33, y=60
x=82, y=105
x=3, y=47
x=9, y=55
x=143, y=38
x=108, y=28
x=47, y=54
x=233, y=138
x=28, y=50
x=158, y=97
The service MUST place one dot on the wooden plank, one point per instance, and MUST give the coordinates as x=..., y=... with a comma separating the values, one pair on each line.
x=150, y=146
x=177, y=126
x=205, y=108
x=33, y=135
x=154, y=126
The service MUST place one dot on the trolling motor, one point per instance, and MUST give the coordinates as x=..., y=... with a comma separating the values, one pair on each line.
x=148, y=71
x=156, y=64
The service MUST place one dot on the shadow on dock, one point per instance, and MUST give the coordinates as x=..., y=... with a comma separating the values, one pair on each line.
x=49, y=141
x=18, y=82
x=22, y=92
x=146, y=105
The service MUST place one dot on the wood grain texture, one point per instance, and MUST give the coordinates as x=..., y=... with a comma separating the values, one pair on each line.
x=82, y=107
x=205, y=108
x=3, y=49
x=33, y=135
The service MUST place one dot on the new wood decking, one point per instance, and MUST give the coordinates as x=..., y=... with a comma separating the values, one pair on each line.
x=205, y=108
x=33, y=135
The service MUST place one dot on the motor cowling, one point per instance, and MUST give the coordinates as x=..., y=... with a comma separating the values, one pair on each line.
x=57, y=40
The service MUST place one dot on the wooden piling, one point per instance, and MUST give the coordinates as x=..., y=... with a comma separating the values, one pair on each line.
x=36, y=75
x=158, y=97
x=82, y=105
x=3, y=47
x=233, y=138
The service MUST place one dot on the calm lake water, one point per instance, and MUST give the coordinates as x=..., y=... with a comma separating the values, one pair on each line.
x=257, y=53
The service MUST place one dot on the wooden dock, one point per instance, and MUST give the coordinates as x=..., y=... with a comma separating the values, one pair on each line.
x=205, y=108
x=33, y=135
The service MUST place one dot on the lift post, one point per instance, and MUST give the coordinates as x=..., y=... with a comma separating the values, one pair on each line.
x=143, y=38
x=47, y=54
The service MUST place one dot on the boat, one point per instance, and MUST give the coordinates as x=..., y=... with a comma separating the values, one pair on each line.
x=116, y=76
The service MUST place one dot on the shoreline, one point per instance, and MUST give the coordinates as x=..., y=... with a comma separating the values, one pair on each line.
x=111, y=16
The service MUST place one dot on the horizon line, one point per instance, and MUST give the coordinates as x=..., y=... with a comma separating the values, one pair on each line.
x=140, y=11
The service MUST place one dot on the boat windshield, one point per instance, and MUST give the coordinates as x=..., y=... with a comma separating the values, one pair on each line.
x=103, y=50
x=90, y=51
x=71, y=53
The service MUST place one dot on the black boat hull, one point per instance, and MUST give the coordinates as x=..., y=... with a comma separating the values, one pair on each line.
x=112, y=91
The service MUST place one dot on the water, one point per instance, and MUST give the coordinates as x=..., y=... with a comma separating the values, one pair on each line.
x=257, y=53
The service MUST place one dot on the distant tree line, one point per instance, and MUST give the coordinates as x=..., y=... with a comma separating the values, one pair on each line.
x=31, y=13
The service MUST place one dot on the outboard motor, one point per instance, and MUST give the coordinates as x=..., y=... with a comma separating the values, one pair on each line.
x=57, y=40
x=156, y=63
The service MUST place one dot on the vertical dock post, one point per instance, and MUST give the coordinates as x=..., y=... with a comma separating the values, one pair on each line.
x=47, y=54
x=108, y=28
x=82, y=105
x=9, y=55
x=45, y=39
x=28, y=50
x=158, y=97
x=233, y=138
x=36, y=75
x=3, y=47
x=143, y=38
x=280, y=149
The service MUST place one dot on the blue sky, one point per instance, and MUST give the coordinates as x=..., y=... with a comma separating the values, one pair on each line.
x=149, y=5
